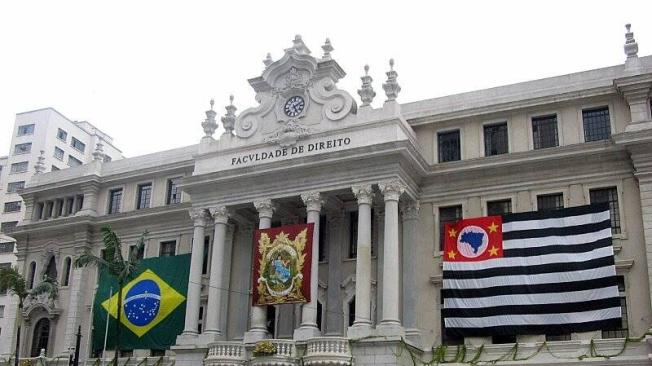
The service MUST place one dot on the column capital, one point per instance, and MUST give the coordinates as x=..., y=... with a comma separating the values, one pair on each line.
x=312, y=201
x=364, y=193
x=198, y=216
x=265, y=207
x=410, y=210
x=392, y=190
x=220, y=214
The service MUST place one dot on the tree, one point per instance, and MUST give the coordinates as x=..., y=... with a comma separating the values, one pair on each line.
x=117, y=266
x=13, y=281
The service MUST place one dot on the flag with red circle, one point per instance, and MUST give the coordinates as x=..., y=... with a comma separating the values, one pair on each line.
x=472, y=240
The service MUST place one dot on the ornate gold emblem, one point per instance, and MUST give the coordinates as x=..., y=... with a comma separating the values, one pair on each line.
x=280, y=276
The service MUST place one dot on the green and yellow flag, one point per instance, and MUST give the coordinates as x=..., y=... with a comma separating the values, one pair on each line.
x=153, y=305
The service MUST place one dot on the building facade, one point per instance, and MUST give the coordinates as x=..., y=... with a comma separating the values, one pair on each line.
x=46, y=140
x=379, y=184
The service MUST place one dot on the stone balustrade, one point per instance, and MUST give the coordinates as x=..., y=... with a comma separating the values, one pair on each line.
x=226, y=353
x=328, y=351
x=286, y=355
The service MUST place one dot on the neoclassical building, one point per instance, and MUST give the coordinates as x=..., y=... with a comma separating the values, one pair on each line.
x=378, y=184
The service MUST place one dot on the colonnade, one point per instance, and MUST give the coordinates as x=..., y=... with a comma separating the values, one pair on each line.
x=390, y=320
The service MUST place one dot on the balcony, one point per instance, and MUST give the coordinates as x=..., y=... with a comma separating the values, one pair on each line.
x=226, y=354
x=285, y=355
x=329, y=351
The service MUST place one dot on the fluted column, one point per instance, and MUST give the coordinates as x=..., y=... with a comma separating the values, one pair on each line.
x=215, y=291
x=308, y=327
x=258, y=321
x=391, y=323
x=198, y=216
x=410, y=216
x=362, y=324
x=89, y=202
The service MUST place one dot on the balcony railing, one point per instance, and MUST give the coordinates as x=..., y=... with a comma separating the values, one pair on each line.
x=328, y=351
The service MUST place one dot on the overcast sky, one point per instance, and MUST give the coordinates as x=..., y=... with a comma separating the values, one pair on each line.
x=144, y=71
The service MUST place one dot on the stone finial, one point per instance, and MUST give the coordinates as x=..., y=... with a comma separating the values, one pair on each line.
x=98, y=154
x=366, y=92
x=298, y=46
x=209, y=125
x=391, y=87
x=328, y=48
x=39, y=168
x=631, y=47
x=268, y=59
x=228, y=121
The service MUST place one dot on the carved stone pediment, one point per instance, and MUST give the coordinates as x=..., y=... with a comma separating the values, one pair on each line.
x=297, y=96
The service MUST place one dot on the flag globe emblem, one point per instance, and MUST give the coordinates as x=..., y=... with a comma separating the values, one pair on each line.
x=472, y=241
x=142, y=302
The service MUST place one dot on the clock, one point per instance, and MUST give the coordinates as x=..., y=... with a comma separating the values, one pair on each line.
x=294, y=106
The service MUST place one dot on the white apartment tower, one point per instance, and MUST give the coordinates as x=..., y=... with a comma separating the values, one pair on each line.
x=46, y=139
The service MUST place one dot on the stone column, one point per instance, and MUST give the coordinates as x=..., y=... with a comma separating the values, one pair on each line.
x=198, y=216
x=337, y=236
x=258, y=327
x=308, y=327
x=391, y=323
x=28, y=203
x=410, y=216
x=89, y=203
x=362, y=325
x=55, y=208
x=215, y=291
x=75, y=203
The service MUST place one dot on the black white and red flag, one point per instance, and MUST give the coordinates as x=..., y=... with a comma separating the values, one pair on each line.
x=548, y=272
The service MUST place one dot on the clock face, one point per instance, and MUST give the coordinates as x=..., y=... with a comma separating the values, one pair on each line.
x=294, y=106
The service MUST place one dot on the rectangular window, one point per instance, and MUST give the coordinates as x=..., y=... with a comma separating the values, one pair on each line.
x=609, y=195
x=2, y=311
x=7, y=247
x=449, y=146
x=322, y=237
x=58, y=153
x=19, y=167
x=115, y=200
x=596, y=124
x=173, y=192
x=141, y=252
x=623, y=330
x=544, y=131
x=25, y=130
x=14, y=187
x=77, y=145
x=25, y=148
x=73, y=162
x=13, y=206
x=204, y=262
x=500, y=207
x=495, y=139
x=144, y=195
x=447, y=215
x=167, y=248
x=353, y=234
x=62, y=135
x=553, y=201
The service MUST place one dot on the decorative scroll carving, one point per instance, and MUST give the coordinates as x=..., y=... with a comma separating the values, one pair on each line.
x=337, y=103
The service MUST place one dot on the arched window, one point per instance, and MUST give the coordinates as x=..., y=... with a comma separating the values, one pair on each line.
x=32, y=274
x=51, y=269
x=40, y=337
x=352, y=311
x=66, y=271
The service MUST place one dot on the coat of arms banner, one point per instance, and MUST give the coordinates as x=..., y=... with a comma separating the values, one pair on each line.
x=282, y=261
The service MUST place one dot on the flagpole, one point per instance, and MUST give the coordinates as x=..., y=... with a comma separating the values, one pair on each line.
x=90, y=326
x=106, y=330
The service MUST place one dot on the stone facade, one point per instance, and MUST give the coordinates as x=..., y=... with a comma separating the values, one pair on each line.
x=377, y=184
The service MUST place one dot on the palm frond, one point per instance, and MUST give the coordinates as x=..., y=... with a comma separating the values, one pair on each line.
x=88, y=259
x=112, y=244
x=11, y=280
x=48, y=286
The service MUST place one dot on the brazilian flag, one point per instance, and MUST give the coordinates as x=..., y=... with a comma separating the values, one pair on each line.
x=153, y=305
